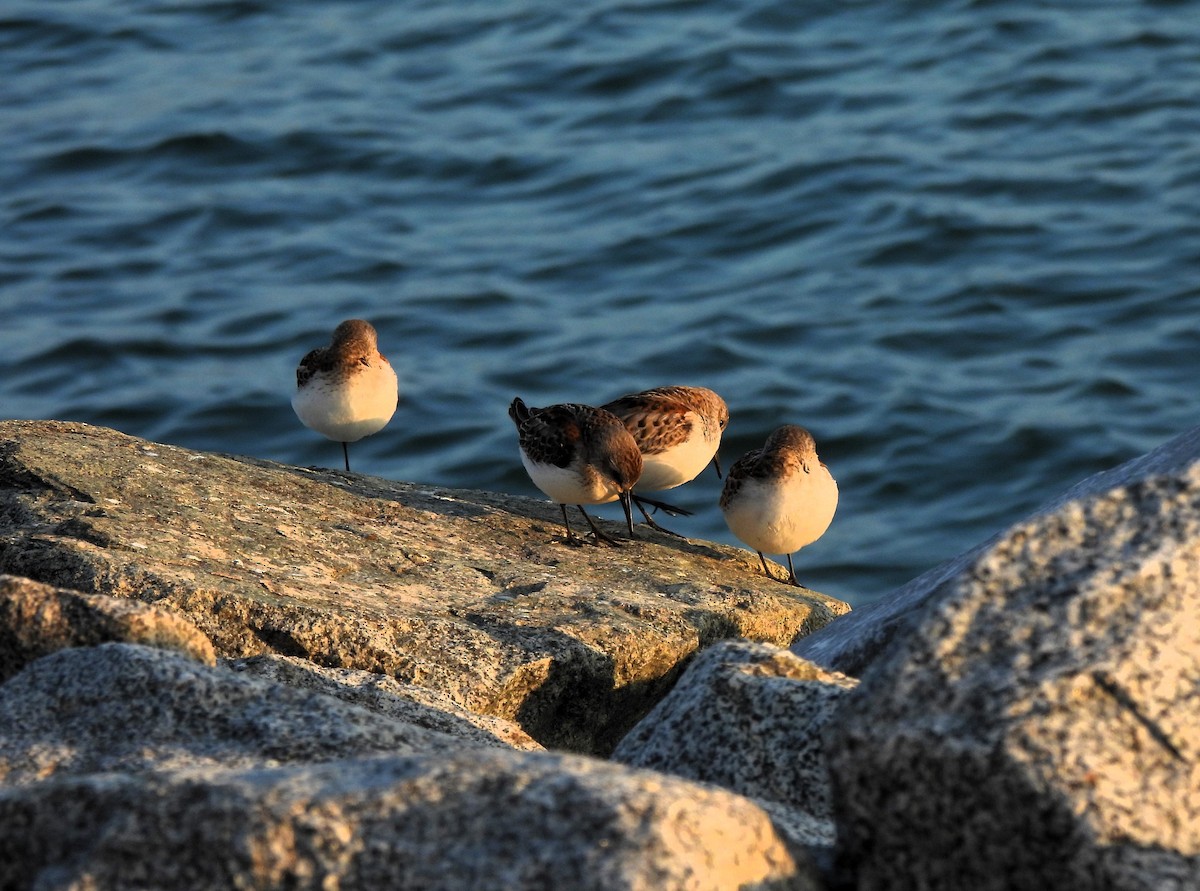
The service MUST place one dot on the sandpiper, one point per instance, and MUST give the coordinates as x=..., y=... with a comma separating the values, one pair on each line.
x=578, y=454
x=678, y=430
x=781, y=497
x=346, y=390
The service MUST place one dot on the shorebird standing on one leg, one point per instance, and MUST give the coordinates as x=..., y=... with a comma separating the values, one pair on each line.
x=579, y=455
x=346, y=390
x=781, y=497
x=678, y=430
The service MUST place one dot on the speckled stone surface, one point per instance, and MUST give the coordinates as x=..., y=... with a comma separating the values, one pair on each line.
x=471, y=594
x=487, y=819
x=748, y=717
x=126, y=707
x=1040, y=728
x=37, y=619
x=852, y=643
x=379, y=693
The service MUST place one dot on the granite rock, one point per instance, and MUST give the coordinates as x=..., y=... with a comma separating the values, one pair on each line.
x=749, y=717
x=472, y=594
x=853, y=642
x=490, y=818
x=130, y=708
x=37, y=619
x=409, y=703
x=1040, y=726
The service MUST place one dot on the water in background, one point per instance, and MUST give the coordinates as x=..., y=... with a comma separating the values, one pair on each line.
x=957, y=241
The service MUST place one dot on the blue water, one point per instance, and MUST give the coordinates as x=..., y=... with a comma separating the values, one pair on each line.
x=960, y=242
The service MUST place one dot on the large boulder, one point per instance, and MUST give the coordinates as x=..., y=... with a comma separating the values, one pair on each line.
x=749, y=717
x=485, y=819
x=126, y=766
x=409, y=703
x=852, y=643
x=130, y=708
x=37, y=619
x=471, y=594
x=1039, y=726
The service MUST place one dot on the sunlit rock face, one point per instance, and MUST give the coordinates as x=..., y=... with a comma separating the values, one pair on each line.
x=474, y=595
x=1039, y=726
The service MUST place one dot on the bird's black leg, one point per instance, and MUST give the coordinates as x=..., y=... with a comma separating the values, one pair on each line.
x=649, y=520
x=661, y=505
x=346, y=455
x=571, y=537
x=764, y=564
x=600, y=536
x=792, y=573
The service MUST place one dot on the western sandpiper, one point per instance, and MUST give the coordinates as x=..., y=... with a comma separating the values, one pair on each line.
x=579, y=455
x=346, y=390
x=678, y=430
x=781, y=497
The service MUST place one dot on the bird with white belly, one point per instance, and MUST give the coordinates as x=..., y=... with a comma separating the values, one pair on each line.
x=780, y=498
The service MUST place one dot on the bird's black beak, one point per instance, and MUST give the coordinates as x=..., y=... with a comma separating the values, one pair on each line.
x=626, y=502
x=717, y=464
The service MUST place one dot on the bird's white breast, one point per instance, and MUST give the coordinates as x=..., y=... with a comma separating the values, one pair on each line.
x=567, y=485
x=348, y=409
x=680, y=463
x=782, y=516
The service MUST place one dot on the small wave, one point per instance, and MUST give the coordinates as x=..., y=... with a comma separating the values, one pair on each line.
x=212, y=149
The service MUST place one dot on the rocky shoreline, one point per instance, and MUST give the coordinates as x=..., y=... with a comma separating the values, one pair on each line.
x=222, y=672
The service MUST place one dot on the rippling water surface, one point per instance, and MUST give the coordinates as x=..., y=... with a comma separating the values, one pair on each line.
x=957, y=241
